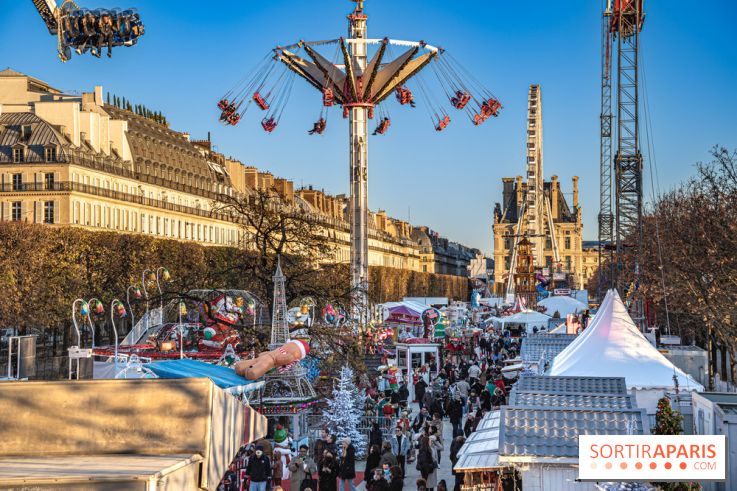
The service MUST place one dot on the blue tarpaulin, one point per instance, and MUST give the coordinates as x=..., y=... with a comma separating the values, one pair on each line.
x=223, y=377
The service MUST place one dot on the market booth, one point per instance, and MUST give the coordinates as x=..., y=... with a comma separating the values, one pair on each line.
x=410, y=357
x=153, y=434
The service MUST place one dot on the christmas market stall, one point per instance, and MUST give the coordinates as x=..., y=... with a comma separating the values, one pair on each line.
x=418, y=358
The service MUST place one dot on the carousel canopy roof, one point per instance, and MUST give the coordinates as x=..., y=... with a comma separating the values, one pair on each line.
x=613, y=346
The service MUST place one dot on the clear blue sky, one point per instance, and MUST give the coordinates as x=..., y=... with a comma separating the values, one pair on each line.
x=194, y=51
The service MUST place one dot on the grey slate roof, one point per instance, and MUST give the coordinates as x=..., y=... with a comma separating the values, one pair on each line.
x=552, y=344
x=42, y=134
x=569, y=401
x=571, y=385
x=544, y=432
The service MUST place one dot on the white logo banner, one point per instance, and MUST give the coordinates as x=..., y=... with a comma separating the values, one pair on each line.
x=652, y=457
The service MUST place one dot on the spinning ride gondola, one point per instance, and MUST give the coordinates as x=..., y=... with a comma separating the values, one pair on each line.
x=84, y=30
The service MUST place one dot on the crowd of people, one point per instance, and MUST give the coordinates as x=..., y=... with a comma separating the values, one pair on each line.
x=467, y=386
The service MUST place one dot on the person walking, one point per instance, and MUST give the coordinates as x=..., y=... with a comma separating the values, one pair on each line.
x=420, y=388
x=375, y=436
x=387, y=455
x=301, y=469
x=328, y=472
x=378, y=483
x=258, y=470
x=372, y=462
x=455, y=414
x=348, y=466
x=397, y=479
x=454, y=449
x=400, y=447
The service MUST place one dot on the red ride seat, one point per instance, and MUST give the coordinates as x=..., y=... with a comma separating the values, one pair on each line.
x=223, y=104
x=327, y=97
x=260, y=102
x=268, y=124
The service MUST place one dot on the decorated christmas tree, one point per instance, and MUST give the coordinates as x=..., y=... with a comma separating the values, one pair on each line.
x=343, y=415
x=670, y=422
x=667, y=421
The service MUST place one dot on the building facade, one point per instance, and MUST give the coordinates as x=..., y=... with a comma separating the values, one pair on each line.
x=79, y=160
x=567, y=225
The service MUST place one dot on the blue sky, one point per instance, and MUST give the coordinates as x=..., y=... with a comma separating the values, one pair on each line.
x=194, y=51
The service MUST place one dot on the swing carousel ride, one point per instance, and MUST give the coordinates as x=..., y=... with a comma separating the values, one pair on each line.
x=360, y=75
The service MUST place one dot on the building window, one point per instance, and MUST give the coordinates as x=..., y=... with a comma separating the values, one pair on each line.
x=50, y=154
x=49, y=180
x=16, y=211
x=48, y=212
x=25, y=132
x=568, y=263
x=18, y=155
x=17, y=182
x=568, y=242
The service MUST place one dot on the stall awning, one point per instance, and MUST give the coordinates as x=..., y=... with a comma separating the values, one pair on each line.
x=223, y=377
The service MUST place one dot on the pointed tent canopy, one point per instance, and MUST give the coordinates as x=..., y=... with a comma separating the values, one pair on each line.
x=612, y=346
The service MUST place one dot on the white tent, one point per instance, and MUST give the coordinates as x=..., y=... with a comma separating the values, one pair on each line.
x=529, y=318
x=612, y=346
x=563, y=305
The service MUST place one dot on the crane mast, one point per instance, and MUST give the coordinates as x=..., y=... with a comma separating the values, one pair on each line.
x=626, y=24
x=606, y=218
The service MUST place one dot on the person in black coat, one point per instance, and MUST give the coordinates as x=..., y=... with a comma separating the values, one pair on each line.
x=454, y=448
x=258, y=469
x=397, y=481
x=347, y=471
x=375, y=436
x=455, y=414
x=372, y=462
x=378, y=483
x=420, y=387
x=328, y=472
x=403, y=392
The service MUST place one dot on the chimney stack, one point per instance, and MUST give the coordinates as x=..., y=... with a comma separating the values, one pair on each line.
x=575, y=191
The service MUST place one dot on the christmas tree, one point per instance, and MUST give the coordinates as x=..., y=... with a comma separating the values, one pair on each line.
x=343, y=415
x=670, y=422
x=667, y=421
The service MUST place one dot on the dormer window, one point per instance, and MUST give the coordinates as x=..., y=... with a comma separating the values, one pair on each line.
x=50, y=153
x=25, y=132
x=19, y=154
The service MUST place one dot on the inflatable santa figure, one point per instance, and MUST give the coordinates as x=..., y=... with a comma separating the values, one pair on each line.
x=283, y=357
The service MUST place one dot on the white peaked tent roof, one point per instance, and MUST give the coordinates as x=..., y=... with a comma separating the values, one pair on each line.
x=563, y=304
x=527, y=317
x=612, y=346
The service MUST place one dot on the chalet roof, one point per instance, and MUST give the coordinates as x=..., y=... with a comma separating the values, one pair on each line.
x=528, y=433
x=552, y=344
x=570, y=401
x=572, y=385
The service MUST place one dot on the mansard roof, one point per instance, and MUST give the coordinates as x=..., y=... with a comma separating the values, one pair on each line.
x=42, y=135
x=154, y=143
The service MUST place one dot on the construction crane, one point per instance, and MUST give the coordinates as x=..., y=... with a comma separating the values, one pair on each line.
x=360, y=74
x=622, y=22
x=85, y=30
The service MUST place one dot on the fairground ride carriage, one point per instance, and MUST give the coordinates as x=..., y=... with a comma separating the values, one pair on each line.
x=83, y=30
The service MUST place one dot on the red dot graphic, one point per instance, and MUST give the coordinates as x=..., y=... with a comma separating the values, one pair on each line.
x=623, y=465
x=668, y=465
x=653, y=465
x=683, y=465
x=638, y=465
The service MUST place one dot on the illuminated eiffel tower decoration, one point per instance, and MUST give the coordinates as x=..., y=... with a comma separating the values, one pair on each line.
x=290, y=385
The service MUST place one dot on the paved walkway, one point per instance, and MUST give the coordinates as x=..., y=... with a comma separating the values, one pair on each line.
x=412, y=474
